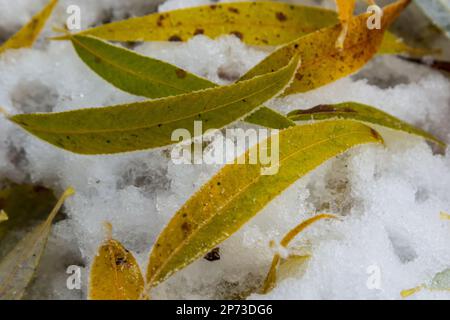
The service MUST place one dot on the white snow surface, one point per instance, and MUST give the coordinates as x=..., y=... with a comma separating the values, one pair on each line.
x=389, y=199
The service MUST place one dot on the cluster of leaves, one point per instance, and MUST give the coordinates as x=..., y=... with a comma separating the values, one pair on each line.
x=314, y=47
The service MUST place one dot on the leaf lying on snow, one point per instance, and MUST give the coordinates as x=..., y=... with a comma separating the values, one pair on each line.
x=26, y=36
x=152, y=78
x=238, y=192
x=115, y=274
x=360, y=112
x=439, y=13
x=25, y=206
x=150, y=124
x=277, y=24
x=271, y=277
x=322, y=62
x=440, y=282
x=18, y=267
x=345, y=10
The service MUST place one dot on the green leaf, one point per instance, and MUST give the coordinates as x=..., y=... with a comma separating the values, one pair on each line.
x=360, y=112
x=28, y=34
x=239, y=191
x=277, y=24
x=18, y=267
x=150, y=124
x=152, y=78
x=322, y=61
x=25, y=206
x=439, y=13
x=441, y=281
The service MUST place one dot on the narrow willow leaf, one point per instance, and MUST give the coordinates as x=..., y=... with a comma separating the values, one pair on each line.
x=18, y=267
x=150, y=124
x=115, y=274
x=439, y=13
x=271, y=277
x=345, y=10
x=322, y=62
x=26, y=36
x=360, y=112
x=152, y=78
x=278, y=23
x=26, y=206
x=3, y=216
x=238, y=192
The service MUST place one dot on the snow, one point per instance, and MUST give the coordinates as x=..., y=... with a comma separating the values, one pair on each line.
x=388, y=198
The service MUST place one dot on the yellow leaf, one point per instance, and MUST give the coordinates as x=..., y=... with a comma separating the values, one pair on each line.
x=345, y=9
x=26, y=36
x=271, y=277
x=115, y=274
x=239, y=191
x=322, y=62
x=150, y=124
x=445, y=216
x=18, y=267
x=3, y=216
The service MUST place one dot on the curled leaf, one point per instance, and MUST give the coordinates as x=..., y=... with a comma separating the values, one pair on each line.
x=322, y=62
x=150, y=124
x=115, y=274
x=239, y=191
x=152, y=78
x=271, y=277
x=361, y=112
x=18, y=267
x=26, y=36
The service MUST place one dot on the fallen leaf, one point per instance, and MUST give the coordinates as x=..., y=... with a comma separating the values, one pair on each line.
x=26, y=36
x=18, y=267
x=238, y=192
x=322, y=62
x=277, y=261
x=115, y=274
x=152, y=78
x=361, y=112
x=440, y=282
x=150, y=124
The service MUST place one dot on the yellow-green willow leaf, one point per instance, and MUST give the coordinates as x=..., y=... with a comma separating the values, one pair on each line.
x=360, y=112
x=150, y=124
x=271, y=277
x=26, y=36
x=277, y=23
x=239, y=191
x=152, y=78
x=393, y=45
x=115, y=274
x=26, y=205
x=18, y=267
x=322, y=62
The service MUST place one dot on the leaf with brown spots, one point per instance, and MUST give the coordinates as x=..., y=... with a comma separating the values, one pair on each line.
x=28, y=34
x=152, y=78
x=239, y=191
x=255, y=23
x=151, y=124
x=115, y=274
x=17, y=268
x=322, y=62
x=363, y=113
x=280, y=265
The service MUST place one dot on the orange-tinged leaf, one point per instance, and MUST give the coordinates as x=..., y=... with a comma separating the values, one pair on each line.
x=28, y=34
x=115, y=274
x=345, y=9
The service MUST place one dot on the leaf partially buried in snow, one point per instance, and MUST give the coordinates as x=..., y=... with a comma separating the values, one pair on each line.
x=439, y=13
x=360, y=112
x=271, y=277
x=322, y=62
x=28, y=34
x=115, y=274
x=25, y=206
x=150, y=124
x=152, y=78
x=345, y=10
x=239, y=191
x=18, y=267
x=277, y=23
